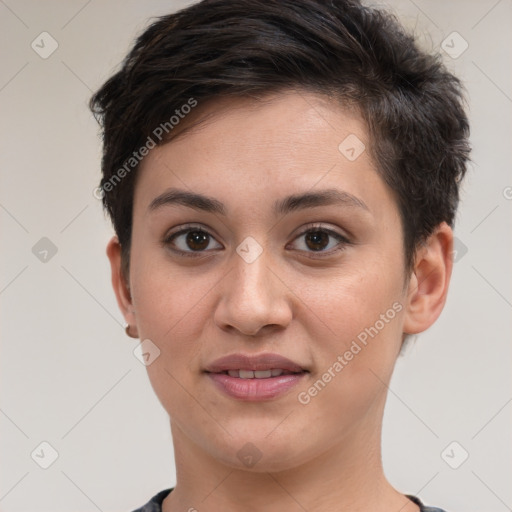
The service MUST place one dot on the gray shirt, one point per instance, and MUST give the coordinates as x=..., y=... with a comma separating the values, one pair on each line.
x=155, y=503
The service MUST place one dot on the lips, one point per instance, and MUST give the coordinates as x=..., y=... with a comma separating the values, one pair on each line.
x=254, y=363
x=255, y=378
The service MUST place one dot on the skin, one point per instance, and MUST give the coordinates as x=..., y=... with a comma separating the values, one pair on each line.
x=324, y=455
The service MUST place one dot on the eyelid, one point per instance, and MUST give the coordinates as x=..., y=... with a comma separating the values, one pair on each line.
x=321, y=227
x=186, y=227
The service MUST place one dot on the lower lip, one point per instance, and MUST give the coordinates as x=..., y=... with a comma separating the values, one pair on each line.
x=255, y=389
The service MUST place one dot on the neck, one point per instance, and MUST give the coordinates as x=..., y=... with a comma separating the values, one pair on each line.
x=347, y=477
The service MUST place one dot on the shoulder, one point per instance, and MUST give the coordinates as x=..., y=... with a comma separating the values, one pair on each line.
x=155, y=503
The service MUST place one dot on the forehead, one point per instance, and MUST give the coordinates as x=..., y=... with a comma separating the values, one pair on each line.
x=247, y=150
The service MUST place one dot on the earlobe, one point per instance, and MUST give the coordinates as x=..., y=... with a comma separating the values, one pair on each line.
x=119, y=284
x=428, y=286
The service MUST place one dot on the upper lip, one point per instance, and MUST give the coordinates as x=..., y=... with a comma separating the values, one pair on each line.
x=253, y=362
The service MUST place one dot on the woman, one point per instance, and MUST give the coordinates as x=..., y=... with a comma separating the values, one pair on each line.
x=282, y=177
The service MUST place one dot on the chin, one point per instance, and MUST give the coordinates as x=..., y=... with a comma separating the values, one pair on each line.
x=259, y=454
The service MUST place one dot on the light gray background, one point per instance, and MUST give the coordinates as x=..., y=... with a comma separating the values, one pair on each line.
x=68, y=373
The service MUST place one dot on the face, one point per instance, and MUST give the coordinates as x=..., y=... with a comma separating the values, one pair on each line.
x=317, y=279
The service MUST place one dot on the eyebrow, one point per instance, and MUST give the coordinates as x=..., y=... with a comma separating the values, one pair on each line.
x=283, y=206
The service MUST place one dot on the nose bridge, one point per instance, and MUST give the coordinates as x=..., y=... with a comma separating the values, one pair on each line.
x=251, y=274
x=251, y=279
x=251, y=296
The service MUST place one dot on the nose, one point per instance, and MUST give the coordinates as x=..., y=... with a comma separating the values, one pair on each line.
x=254, y=299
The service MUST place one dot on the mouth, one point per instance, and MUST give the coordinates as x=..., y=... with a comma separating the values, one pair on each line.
x=257, y=374
x=255, y=378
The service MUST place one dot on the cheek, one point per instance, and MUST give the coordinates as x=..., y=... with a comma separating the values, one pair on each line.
x=349, y=302
x=357, y=340
x=168, y=300
x=171, y=311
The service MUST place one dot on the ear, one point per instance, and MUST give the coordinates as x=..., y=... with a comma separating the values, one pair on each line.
x=428, y=285
x=119, y=284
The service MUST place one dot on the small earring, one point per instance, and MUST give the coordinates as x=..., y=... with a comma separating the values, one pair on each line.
x=127, y=331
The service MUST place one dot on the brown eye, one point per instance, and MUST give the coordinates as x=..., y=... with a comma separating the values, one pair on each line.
x=191, y=241
x=197, y=240
x=317, y=240
x=321, y=240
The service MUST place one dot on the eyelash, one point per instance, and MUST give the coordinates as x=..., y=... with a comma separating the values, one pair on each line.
x=342, y=241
